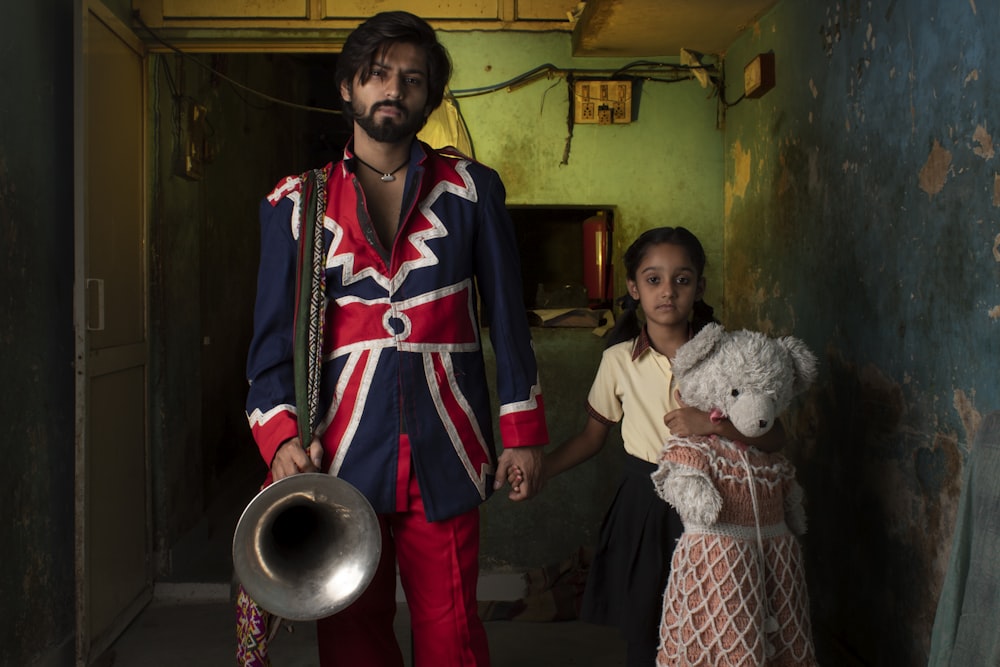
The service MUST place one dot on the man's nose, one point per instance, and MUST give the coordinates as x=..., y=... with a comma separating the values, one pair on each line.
x=393, y=87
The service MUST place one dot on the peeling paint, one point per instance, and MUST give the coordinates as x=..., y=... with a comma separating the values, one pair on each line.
x=995, y=313
x=996, y=248
x=985, y=141
x=934, y=173
x=813, y=89
x=741, y=176
x=786, y=179
x=996, y=191
x=971, y=418
x=972, y=76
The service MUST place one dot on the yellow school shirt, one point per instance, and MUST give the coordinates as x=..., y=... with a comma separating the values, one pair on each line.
x=635, y=385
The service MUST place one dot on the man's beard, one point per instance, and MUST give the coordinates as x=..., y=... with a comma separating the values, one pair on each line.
x=387, y=131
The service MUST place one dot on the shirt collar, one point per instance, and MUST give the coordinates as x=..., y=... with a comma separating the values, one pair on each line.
x=641, y=344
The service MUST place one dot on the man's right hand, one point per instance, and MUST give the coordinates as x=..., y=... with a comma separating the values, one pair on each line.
x=291, y=459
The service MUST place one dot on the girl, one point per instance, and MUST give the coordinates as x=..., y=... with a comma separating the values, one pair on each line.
x=665, y=278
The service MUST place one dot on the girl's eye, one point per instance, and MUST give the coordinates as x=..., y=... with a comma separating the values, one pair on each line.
x=735, y=393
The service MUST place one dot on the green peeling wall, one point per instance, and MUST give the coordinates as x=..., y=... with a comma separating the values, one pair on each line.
x=663, y=169
x=861, y=199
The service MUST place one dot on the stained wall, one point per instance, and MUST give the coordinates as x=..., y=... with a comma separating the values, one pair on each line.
x=861, y=214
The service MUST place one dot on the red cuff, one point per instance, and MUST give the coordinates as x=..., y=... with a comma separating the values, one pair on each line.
x=271, y=434
x=525, y=428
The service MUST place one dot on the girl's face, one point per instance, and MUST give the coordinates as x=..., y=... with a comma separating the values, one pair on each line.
x=666, y=285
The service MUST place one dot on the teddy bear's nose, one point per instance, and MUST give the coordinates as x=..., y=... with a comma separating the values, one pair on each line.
x=762, y=423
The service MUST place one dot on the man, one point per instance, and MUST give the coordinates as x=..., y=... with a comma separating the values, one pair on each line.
x=417, y=241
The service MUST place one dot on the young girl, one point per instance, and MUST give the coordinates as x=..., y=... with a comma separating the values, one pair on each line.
x=634, y=384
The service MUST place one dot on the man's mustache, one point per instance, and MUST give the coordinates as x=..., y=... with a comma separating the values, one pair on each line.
x=389, y=103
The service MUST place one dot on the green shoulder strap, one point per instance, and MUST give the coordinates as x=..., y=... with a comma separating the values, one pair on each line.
x=310, y=302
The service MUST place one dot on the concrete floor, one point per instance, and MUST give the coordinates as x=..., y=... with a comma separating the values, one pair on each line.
x=191, y=622
x=200, y=634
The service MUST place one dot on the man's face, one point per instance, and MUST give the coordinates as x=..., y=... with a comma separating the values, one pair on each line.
x=391, y=106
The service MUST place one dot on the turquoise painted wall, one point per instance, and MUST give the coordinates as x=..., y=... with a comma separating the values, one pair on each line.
x=862, y=214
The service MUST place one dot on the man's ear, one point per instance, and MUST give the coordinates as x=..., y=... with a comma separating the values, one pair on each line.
x=345, y=91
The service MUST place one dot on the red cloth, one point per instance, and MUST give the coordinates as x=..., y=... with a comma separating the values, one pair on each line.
x=439, y=569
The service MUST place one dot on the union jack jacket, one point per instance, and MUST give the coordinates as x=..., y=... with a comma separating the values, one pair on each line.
x=402, y=351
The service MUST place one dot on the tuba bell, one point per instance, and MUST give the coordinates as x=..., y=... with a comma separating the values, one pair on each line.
x=307, y=546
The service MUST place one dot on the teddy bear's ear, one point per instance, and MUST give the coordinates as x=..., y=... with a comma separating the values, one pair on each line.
x=804, y=361
x=699, y=348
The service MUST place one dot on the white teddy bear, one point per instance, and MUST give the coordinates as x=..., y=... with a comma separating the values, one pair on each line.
x=736, y=593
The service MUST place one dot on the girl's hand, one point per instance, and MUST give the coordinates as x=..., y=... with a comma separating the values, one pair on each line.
x=686, y=421
x=522, y=468
x=514, y=477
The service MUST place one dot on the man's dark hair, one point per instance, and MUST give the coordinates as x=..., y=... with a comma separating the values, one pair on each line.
x=374, y=37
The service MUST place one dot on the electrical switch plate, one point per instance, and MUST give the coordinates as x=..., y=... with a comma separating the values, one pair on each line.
x=602, y=102
x=758, y=75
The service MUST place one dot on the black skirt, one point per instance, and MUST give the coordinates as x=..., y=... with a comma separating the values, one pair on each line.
x=632, y=560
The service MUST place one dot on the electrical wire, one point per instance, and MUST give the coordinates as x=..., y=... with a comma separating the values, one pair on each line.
x=645, y=70
x=229, y=80
x=640, y=69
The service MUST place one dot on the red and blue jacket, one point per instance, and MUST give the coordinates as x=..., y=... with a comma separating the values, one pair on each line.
x=402, y=348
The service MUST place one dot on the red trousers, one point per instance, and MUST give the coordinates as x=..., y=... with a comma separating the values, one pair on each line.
x=439, y=571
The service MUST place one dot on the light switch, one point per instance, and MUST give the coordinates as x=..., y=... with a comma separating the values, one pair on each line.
x=604, y=102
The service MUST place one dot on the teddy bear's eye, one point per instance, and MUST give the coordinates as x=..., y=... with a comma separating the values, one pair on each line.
x=735, y=393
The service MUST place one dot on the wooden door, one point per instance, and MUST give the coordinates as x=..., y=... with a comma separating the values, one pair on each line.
x=113, y=563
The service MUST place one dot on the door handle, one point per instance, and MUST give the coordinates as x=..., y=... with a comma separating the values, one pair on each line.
x=95, y=287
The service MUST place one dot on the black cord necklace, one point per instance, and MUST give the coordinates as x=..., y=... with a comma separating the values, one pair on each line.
x=386, y=177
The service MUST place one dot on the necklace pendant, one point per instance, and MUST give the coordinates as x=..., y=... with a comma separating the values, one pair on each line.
x=388, y=178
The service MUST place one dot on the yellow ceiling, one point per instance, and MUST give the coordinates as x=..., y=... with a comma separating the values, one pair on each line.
x=613, y=28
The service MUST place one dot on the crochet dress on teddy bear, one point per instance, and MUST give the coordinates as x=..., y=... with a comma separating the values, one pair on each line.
x=736, y=594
